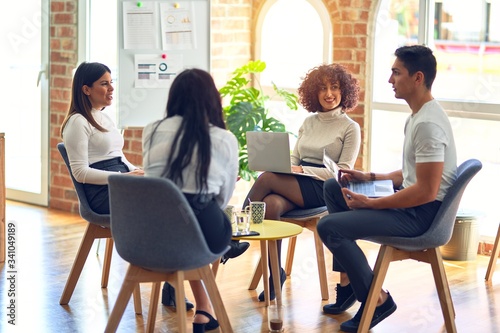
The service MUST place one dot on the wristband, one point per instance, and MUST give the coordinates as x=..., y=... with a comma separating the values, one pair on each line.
x=372, y=176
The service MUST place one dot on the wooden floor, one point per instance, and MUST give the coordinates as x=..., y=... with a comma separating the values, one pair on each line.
x=48, y=241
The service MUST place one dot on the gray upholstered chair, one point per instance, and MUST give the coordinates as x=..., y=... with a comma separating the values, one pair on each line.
x=423, y=248
x=493, y=258
x=156, y=231
x=98, y=227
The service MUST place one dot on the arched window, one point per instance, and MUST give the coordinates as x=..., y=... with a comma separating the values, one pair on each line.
x=465, y=38
x=292, y=36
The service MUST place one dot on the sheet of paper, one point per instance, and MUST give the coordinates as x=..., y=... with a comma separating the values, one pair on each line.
x=177, y=26
x=140, y=25
x=330, y=164
x=152, y=71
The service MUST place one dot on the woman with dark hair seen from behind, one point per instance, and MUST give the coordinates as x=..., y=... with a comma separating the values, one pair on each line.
x=329, y=92
x=192, y=147
x=93, y=143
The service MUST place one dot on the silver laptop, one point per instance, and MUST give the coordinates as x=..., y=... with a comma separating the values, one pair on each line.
x=270, y=151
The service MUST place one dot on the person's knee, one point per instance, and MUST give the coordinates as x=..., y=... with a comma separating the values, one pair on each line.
x=274, y=207
x=328, y=231
x=322, y=228
x=267, y=179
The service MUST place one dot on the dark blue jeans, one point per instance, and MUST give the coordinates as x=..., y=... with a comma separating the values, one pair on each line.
x=342, y=227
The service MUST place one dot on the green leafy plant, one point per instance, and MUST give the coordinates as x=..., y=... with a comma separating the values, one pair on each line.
x=247, y=109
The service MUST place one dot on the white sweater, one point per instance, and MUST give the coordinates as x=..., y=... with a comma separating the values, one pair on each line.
x=86, y=145
x=332, y=131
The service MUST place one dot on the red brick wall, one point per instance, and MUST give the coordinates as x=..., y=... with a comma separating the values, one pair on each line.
x=63, y=58
x=231, y=46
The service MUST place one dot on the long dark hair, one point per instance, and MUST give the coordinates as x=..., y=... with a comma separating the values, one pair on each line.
x=194, y=96
x=86, y=74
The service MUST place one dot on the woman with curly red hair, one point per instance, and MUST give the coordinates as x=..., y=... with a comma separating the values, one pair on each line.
x=329, y=92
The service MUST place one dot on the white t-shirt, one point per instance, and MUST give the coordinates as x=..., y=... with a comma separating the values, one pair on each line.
x=86, y=145
x=223, y=169
x=429, y=138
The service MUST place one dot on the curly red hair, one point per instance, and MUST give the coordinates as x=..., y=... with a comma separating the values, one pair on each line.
x=333, y=73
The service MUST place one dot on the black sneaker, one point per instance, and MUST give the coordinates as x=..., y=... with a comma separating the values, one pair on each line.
x=381, y=312
x=344, y=300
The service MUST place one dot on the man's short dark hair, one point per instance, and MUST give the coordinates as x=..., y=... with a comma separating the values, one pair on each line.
x=418, y=58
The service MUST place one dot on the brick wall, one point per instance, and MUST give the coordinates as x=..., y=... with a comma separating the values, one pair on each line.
x=231, y=46
x=63, y=59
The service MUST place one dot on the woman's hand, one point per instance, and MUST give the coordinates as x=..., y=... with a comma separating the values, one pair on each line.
x=136, y=172
x=297, y=169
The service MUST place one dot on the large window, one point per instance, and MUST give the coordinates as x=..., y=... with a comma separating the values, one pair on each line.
x=466, y=41
x=99, y=38
x=292, y=36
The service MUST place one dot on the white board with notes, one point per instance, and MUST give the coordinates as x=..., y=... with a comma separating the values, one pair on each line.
x=157, y=40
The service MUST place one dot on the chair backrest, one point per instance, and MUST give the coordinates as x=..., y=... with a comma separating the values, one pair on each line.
x=441, y=229
x=85, y=211
x=153, y=225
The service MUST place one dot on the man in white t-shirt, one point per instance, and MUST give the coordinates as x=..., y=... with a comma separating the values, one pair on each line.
x=428, y=170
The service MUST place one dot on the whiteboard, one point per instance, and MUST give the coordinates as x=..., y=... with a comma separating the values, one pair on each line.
x=151, y=51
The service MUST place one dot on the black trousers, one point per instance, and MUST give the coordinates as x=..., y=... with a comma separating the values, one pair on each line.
x=342, y=227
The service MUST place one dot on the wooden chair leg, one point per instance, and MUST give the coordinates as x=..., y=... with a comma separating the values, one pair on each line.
x=256, y=276
x=215, y=267
x=320, y=260
x=493, y=258
x=443, y=289
x=179, y=299
x=380, y=270
x=91, y=233
x=107, y=262
x=126, y=290
x=215, y=297
x=153, y=306
x=290, y=254
x=137, y=299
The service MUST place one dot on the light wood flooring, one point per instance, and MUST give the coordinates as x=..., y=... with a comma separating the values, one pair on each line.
x=48, y=241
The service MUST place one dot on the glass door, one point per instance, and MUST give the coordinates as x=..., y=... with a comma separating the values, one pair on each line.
x=24, y=85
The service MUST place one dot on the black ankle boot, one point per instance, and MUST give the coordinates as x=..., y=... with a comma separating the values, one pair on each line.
x=168, y=297
x=272, y=294
x=237, y=248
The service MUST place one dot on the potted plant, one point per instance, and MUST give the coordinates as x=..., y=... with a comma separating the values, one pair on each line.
x=247, y=110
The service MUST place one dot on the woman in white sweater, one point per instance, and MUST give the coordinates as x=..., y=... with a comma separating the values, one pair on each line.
x=329, y=92
x=192, y=147
x=93, y=142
